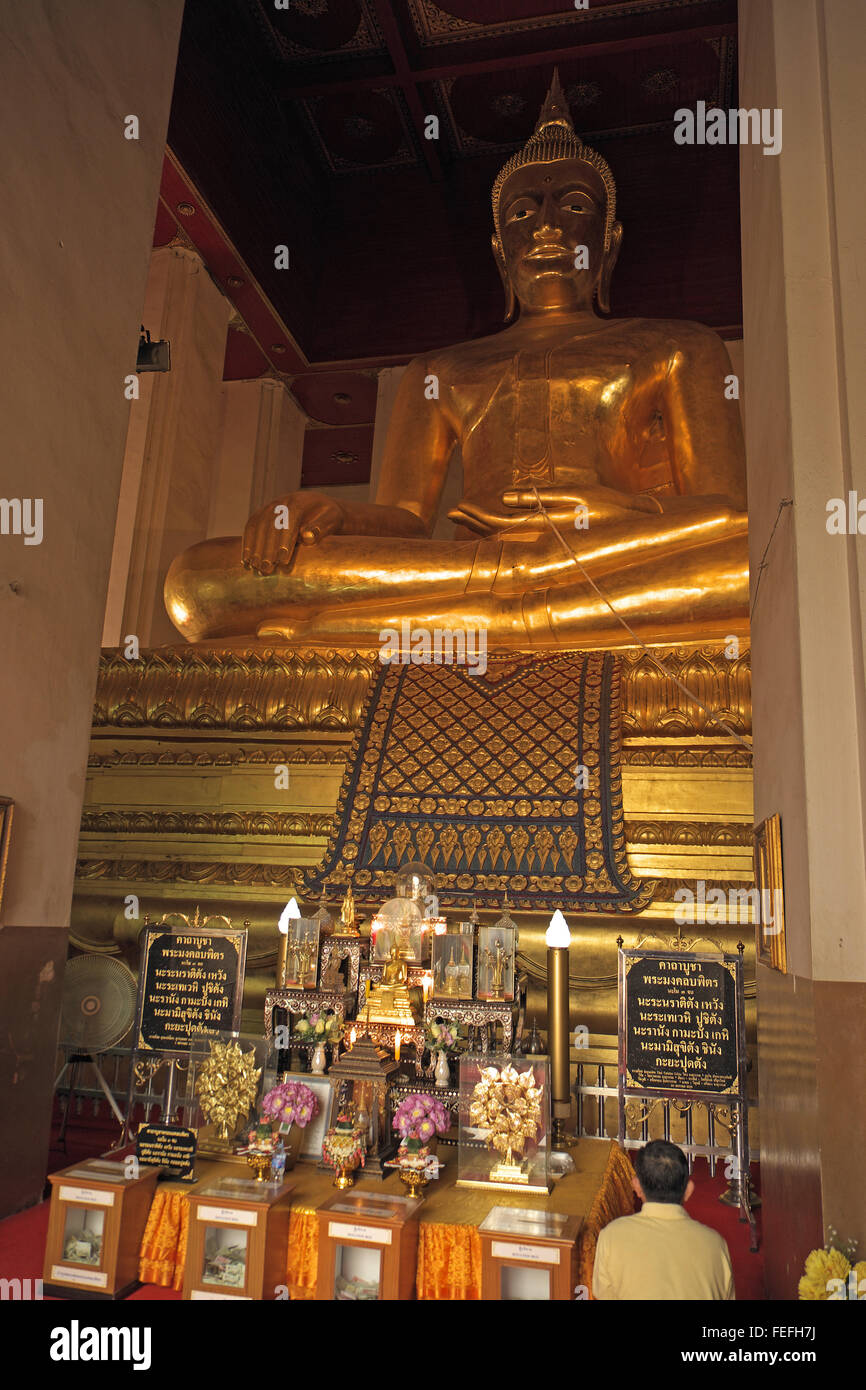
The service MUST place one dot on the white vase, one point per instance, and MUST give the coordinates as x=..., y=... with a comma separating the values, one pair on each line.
x=318, y=1059
x=443, y=1071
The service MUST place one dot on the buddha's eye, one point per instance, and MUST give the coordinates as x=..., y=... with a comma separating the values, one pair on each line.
x=519, y=213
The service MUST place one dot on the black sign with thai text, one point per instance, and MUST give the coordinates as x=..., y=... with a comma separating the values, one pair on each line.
x=680, y=1024
x=170, y=1147
x=192, y=983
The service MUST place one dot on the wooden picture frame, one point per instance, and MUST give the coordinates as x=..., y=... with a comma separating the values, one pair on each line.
x=314, y=1133
x=770, y=939
x=7, y=807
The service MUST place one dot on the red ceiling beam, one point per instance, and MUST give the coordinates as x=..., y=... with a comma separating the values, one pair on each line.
x=404, y=77
x=412, y=76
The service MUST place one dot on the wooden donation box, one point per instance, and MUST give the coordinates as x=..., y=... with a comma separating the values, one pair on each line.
x=95, y=1226
x=528, y=1255
x=368, y=1247
x=238, y=1240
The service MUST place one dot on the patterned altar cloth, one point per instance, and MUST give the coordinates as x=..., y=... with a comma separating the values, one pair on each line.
x=449, y=1246
x=509, y=779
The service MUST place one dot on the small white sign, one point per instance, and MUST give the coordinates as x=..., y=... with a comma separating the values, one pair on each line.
x=511, y=1250
x=64, y=1275
x=91, y=1196
x=229, y=1216
x=339, y=1230
x=225, y=1297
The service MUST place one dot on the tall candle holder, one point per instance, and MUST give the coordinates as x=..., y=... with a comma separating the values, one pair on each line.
x=558, y=940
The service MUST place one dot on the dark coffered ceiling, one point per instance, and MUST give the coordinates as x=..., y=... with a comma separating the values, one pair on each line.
x=305, y=127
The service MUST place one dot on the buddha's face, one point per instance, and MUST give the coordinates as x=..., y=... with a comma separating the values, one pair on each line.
x=547, y=212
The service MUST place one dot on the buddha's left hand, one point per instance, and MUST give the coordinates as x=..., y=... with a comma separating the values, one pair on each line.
x=601, y=503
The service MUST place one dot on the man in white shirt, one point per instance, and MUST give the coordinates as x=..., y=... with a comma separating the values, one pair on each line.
x=661, y=1253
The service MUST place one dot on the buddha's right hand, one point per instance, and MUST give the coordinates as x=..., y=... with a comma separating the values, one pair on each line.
x=272, y=535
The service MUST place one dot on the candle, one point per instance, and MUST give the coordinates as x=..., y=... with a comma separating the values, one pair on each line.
x=352, y=1035
x=397, y=1041
x=427, y=985
x=558, y=940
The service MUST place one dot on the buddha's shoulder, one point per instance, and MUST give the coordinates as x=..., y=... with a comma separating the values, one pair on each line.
x=670, y=336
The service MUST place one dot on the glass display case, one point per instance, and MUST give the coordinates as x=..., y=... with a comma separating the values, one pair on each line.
x=504, y=1123
x=368, y=1247
x=400, y=923
x=302, y=953
x=453, y=962
x=357, y=1273
x=83, y=1230
x=225, y=1257
x=495, y=962
x=528, y=1255
x=224, y=1082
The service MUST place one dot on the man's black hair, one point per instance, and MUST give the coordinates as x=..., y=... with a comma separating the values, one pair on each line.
x=662, y=1171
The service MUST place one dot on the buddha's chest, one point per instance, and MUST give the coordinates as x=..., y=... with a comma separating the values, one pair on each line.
x=553, y=411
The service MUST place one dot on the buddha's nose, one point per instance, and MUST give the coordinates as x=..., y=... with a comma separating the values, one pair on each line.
x=547, y=223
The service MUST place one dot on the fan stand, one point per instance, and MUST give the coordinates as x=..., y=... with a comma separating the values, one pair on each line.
x=72, y=1062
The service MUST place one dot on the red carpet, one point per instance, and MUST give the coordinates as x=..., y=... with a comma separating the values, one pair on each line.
x=22, y=1237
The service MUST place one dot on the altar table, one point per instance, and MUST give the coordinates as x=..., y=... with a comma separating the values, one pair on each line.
x=449, y=1247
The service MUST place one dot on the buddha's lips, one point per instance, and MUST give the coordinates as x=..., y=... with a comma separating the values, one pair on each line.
x=549, y=253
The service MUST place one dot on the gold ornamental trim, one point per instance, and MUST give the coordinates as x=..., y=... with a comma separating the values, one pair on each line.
x=205, y=823
x=231, y=875
x=278, y=689
x=205, y=688
x=688, y=833
x=320, y=755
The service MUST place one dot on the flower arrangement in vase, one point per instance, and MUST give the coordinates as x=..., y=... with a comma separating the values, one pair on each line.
x=418, y=1120
x=444, y=1039
x=830, y=1274
x=444, y=1036
x=317, y=1026
x=293, y=1104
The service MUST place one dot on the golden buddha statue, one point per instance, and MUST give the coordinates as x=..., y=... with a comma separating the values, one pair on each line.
x=348, y=926
x=614, y=441
x=389, y=1002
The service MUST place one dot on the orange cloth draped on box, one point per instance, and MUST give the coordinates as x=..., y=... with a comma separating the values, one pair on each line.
x=449, y=1262
x=163, y=1247
x=615, y=1197
x=449, y=1247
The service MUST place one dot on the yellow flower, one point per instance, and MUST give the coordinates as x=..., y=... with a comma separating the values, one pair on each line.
x=821, y=1267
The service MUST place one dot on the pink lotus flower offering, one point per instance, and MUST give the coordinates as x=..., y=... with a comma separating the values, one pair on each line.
x=290, y=1103
x=421, y=1116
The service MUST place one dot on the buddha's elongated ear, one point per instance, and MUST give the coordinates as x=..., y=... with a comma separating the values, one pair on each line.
x=602, y=289
x=499, y=257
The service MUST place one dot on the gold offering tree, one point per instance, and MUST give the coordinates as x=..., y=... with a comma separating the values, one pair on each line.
x=508, y=1104
x=226, y=1086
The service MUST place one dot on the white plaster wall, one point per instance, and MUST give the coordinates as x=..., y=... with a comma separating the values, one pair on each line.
x=78, y=209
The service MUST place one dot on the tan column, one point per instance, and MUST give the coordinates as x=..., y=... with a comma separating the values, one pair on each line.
x=79, y=200
x=803, y=215
x=260, y=454
x=172, y=456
